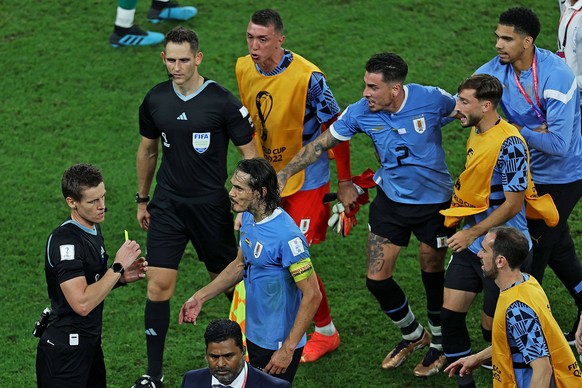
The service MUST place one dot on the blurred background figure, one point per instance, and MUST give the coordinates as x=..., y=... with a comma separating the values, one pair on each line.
x=125, y=33
x=569, y=38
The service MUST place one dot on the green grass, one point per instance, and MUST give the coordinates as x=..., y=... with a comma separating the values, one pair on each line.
x=67, y=97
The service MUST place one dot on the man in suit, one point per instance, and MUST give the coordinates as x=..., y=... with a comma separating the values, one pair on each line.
x=227, y=367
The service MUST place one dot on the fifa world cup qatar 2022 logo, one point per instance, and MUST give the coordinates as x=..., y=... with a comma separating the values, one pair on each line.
x=264, y=103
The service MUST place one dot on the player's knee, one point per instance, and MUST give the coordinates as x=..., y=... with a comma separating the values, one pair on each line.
x=161, y=287
x=432, y=259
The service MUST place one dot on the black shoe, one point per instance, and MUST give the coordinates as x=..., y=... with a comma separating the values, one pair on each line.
x=147, y=381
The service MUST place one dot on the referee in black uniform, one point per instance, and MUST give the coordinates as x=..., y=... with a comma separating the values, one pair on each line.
x=194, y=119
x=69, y=352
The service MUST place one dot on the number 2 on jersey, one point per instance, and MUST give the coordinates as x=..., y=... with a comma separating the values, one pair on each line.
x=403, y=155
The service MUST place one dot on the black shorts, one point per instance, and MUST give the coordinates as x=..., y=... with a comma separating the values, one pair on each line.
x=61, y=365
x=259, y=358
x=565, y=198
x=464, y=273
x=397, y=221
x=176, y=220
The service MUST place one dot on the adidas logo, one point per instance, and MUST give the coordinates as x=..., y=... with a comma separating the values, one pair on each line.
x=151, y=332
x=182, y=116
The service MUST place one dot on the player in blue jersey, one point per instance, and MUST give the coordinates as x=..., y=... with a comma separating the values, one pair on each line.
x=541, y=98
x=404, y=123
x=497, y=170
x=273, y=259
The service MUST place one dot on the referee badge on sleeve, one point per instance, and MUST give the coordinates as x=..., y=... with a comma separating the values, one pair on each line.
x=67, y=252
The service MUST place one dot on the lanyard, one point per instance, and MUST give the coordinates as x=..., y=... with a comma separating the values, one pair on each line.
x=563, y=43
x=534, y=71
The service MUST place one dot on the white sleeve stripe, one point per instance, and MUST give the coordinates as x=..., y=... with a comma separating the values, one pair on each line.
x=337, y=135
x=557, y=95
x=48, y=256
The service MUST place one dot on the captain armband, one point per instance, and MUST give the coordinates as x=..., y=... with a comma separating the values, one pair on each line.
x=301, y=270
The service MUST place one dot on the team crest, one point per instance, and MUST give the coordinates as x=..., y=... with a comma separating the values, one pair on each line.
x=419, y=124
x=258, y=250
x=304, y=225
x=201, y=141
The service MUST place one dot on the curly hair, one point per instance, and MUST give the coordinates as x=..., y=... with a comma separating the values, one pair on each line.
x=523, y=20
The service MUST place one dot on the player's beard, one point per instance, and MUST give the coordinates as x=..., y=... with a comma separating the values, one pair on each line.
x=491, y=274
x=471, y=121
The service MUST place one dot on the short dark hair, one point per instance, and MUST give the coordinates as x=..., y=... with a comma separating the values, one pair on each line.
x=262, y=174
x=267, y=17
x=487, y=88
x=392, y=67
x=181, y=35
x=220, y=330
x=80, y=177
x=510, y=243
x=523, y=20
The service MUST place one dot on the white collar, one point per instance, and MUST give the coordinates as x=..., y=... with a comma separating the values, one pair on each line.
x=239, y=382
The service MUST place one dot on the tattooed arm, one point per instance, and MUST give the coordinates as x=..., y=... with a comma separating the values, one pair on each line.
x=306, y=156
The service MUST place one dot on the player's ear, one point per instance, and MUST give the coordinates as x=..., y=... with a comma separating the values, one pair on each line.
x=71, y=203
x=281, y=40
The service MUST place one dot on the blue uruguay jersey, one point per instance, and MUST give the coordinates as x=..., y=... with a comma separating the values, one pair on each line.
x=509, y=175
x=270, y=247
x=408, y=144
x=556, y=158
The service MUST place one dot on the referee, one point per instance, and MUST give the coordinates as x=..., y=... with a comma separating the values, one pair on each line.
x=78, y=280
x=194, y=119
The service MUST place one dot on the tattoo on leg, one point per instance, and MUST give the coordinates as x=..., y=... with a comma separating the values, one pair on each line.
x=375, y=253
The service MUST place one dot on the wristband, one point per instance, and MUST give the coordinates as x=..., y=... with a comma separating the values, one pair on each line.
x=139, y=199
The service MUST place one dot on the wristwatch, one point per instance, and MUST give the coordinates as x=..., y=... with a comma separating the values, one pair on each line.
x=139, y=199
x=117, y=268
